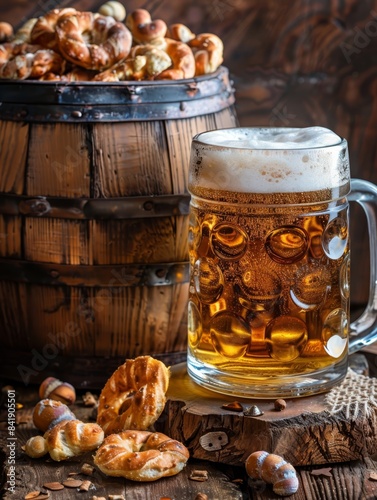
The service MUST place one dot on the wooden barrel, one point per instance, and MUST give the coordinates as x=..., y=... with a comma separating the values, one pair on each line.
x=94, y=221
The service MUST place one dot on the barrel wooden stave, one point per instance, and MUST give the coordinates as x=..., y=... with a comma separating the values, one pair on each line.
x=117, y=313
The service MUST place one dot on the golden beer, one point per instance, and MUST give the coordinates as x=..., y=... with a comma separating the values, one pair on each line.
x=269, y=270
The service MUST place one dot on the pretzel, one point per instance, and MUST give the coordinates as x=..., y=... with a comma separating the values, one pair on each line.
x=8, y=50
x=180, y=32
x=66, y=439
x=76, y=74
x=144, y=63
x=183, y=61
x=43, y=31
x=23, y=33
x=134, y=396
x=110, y=40
x=113, y=9
x=123, y=70
x=143, y=29
x=21, y=61
x=208, y=50
x=141, y=456
x=157, y=60
x=6, y=31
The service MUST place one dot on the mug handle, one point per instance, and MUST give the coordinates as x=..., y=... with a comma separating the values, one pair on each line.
x=363, y=331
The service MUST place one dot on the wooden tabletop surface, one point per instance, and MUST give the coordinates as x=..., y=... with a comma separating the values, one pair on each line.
x=340, y=481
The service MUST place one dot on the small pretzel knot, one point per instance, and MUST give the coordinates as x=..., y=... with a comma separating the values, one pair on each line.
x=208, y=50
x=143, y=29
x=19, y=61
x=109, y=40
x=141, y=455
x=183, y=61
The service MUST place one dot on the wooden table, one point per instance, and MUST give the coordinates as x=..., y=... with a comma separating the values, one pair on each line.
x=345, y=481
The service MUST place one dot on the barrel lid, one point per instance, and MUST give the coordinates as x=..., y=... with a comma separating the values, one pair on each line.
x=46, y=101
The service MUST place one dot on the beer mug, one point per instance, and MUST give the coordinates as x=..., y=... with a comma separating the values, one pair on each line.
x=269, y=250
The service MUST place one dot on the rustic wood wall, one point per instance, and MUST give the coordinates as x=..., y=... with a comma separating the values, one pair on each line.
x=293, y=62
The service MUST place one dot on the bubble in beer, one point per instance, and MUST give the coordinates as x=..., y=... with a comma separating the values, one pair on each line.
x=335, y=238
x=230, y=335
x=335, y=325
x=261, y=286
x=310, y=286
x=287, y=245
x=208, y=280
x=287, y=337
x=228, y=241
x=195, y=329
x=345, y=271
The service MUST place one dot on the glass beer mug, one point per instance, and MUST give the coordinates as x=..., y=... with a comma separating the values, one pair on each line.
x=269, y=300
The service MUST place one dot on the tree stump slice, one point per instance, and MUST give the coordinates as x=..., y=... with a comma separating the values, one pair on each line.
x=337, y=426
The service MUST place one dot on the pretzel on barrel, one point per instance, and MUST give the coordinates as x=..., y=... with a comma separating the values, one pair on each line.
x=143, y=29
x=208, y=50
x=156, y=60
x=180, y=32
x=21, y=61
x=6, y=31
x=144, y=62
x=134, y=396
x=183, y=61
x=24, y=32
x=43, y=32
x=114, y=9
x=141, y=456
x=110, y=40
x=75, y=74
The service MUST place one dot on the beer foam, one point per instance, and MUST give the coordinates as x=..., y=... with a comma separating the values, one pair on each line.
x=267, y=160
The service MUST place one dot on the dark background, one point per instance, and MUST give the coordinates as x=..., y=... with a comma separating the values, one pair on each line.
x=293, y=63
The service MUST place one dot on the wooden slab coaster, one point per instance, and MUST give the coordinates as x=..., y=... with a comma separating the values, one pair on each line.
x=337, y=426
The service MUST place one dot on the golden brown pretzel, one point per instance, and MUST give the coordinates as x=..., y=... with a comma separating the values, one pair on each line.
x=21, y=61
x=66, y=439
x=134, y=396
x=141, y=456
x=123, y=70
x=114, y=9
x=6, y=31
x=208, y=49
x=8, y=50
x=180, y=32
x=23, y=33
x=183, y=61
x=75, y=74
x=144, y=62
x=110, y=40
x=143, y=29
x=156, y=59
x=43, y=31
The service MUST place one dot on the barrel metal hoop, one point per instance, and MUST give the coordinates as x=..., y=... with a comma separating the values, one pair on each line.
x=133, y=207
x=54, y=113
x=104, y=276
x=86, y=102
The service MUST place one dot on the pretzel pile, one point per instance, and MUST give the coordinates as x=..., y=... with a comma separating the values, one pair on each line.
x=130, y=403
x=70, y=45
